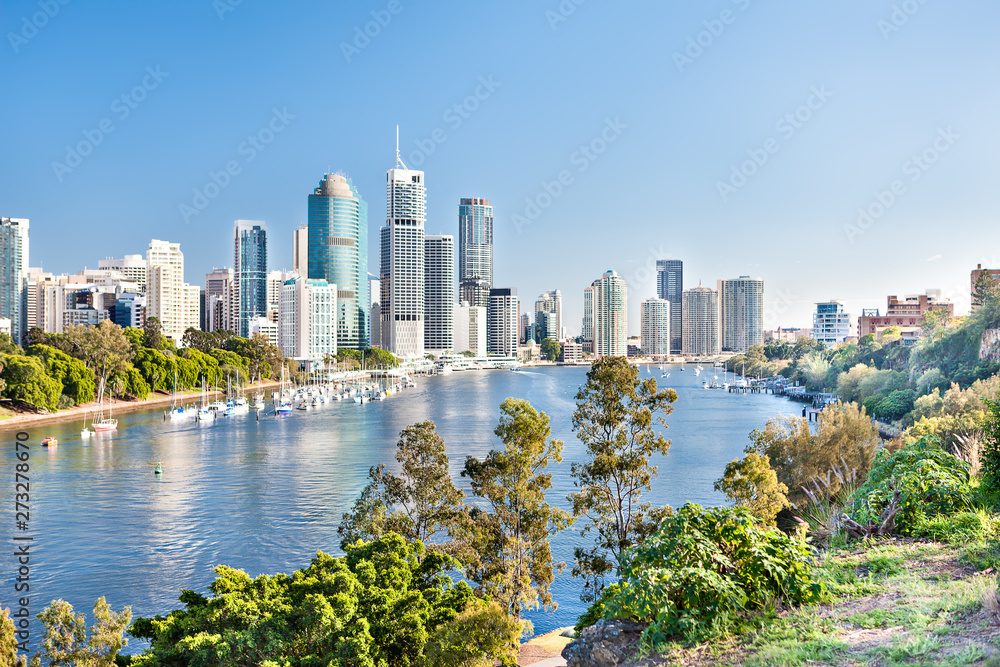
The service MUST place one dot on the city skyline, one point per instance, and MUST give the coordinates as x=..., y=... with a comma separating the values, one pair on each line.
x=802, y=181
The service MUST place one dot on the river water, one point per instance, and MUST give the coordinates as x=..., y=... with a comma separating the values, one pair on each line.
x=265, y=495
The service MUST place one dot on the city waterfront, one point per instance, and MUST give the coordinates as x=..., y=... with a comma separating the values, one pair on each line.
x=264, y=495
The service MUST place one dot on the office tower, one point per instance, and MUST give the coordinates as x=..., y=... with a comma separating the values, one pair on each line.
x=129, y=310
x=548, y=316
x=741, y=313
x=374, y=311
x=300, y=250
x=275, y=281
x=670, y=286
x=338, y=253
x=249, y=272
x=587, y=329
x=165, y=289
x=475, y=249
x=502, y=316
x=654, y=318
x=526, y=331
x=831, y=324
x=439, y=293
x=402, y=254
x=218, y=300
x=609, y=303
x=14, y=274
x=263, y=326
x=470, y=329
x=308, y=320
x=701, y=321
x=131, y=267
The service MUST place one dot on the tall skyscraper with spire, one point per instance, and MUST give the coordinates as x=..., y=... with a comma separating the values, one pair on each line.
x=475, y=250
x=338, y=253
x=402, y=246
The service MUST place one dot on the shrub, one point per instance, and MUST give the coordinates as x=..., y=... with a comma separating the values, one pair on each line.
x=752, y=483
x=960, y=528
x=929, y=480
x=706, y=570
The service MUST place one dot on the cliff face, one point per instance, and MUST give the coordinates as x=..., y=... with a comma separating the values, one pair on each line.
x=989, y=346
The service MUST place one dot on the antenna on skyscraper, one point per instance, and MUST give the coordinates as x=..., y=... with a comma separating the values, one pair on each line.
x=399, y=160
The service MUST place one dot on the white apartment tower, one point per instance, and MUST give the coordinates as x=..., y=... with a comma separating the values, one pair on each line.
x=439, y=293
x=308, y=322
x=470, y=329
x=741, y=313
x=14, y=274
x=402, y=253
x=167, y=295
x=831, y=324
x=654, y=317
x=609, y=303
x=701, y=322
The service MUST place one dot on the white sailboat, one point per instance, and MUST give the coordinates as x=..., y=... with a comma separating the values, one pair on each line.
x=104, y=424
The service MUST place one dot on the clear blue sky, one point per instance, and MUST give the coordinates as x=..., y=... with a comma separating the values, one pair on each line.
x=683, y=93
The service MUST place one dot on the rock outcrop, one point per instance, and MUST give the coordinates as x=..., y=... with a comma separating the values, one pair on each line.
x=989, y=345
x=604, y=644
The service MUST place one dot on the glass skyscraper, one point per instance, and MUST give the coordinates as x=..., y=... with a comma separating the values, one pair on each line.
x=249, y=272
x=13, y=274
x=475, y=250
x=670, y=287
x=338, y=253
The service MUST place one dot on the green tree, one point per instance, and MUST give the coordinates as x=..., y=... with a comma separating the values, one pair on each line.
x=512, y=538
x=66, y=639
x=990, y=457
x=616, y=418
x=261, y=357
x=752, y=483
x=815, y=369
x=551, y=349
x=420, y=503
x=480, y=636
x=24, y=379
x=78, y=382
x=152, y=334
x=104, y=349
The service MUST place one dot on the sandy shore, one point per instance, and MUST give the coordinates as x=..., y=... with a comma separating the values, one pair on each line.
x=30, y=419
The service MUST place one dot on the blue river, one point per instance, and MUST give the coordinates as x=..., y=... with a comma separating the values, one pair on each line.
x=265, y=495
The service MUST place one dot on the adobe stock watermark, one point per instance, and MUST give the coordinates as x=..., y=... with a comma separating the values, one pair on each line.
x=711, y=30
x=34, y=23
x=912, y=169
x=645, y=273
x=899, y=16
x=121, y=108
x=246, y=152
x=785, y=128
x=562, y=12
x=580, y=160
x=452, y=119
x=368, y=31
x=777, y=306
x=224, y=7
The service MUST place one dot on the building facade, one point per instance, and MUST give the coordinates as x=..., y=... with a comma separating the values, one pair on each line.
x=670, y=287
x=975, y=276
x=300, y=250
x=548, y=316
x=14, y=274
x=218, y=300
x=654, y=318
x=439, y=293
x=503, y=313
x=167, y=294
x=131, y=267
x=475, y=250
x=338, y=253
x=249, y=272
x=308, y=319
x=470, y=329
x=701, y=322
x=831, y=324
x=741, y=313
x=402, y=254
x=609, y=299
x=906, y=313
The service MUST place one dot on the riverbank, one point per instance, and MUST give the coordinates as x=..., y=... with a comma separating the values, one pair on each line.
x=16, y=420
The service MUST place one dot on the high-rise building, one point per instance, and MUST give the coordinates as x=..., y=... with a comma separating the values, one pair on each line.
x=308, y=320
x=167, y=294
x=502, y=316
x=701, y=321
x=741, y=313
x=670, y=286
x=338, y=253
x=275, y=282
x=402, y=254
x=587, y=329
x=249, y=272
x=131, y=267
x=526, y=332
x=609, y=299
x=831, y=324
x=654, y=318
x=548, y=316
x=475, y=249
x=439, y=293
x=470, y=329
x=300, y=250
x=14, y=274
x=977, y=274
x=218, y=300
x=374, y=311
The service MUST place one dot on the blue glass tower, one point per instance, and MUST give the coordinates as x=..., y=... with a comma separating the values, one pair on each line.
x=250, y=272
x=338, y=253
